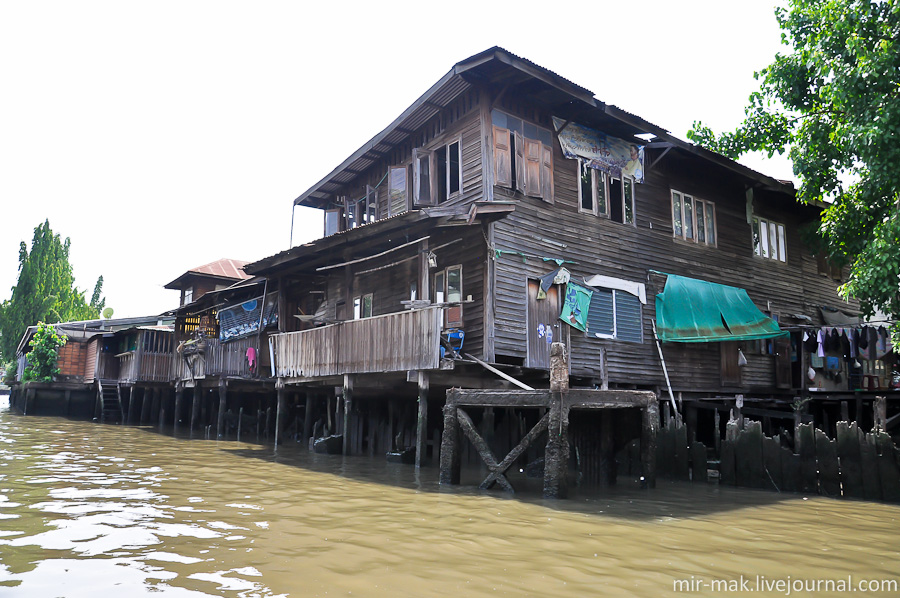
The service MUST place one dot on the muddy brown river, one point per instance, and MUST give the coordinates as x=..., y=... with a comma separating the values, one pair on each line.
x=90, y=510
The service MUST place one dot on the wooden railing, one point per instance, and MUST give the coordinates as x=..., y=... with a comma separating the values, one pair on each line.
x=151, y=361
x=216, y=359
x=408, y=340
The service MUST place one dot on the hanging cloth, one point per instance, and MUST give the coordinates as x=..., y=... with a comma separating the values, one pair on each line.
x=820, y=340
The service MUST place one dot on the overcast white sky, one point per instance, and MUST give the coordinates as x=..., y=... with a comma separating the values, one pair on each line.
x=163, y=135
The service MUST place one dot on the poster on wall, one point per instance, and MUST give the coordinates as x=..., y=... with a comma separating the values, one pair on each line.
x=243, y=319
x=616, y=157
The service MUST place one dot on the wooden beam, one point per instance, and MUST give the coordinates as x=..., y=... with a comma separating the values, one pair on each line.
x=503, y=375
x=370, y=257
x=450, y=449
x=465, y=423
x=514, y=454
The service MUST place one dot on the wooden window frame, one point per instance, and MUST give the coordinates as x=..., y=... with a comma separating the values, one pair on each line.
x=359, y=306
x=393, y=191
x=615, y=318
x=443, y=287
x=776, y=234
x=695, y=201
x=599, y=181
x=530, y=159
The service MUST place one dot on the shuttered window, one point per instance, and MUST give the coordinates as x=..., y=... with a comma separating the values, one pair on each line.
x=616, y=315
x=523, y=156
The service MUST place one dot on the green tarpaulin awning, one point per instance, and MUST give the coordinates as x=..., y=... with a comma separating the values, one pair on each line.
x=696, y=311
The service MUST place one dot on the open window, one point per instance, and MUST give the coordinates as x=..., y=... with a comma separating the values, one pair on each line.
x=333, y=217
x=362, y=306
x=448, y=289
x=592, y=190
x=397, y=190
x=423, y=191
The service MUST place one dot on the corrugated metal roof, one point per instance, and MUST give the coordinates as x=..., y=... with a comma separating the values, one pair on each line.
x=224, y=267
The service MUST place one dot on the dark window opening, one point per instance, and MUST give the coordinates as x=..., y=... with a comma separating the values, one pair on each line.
x=615, y=205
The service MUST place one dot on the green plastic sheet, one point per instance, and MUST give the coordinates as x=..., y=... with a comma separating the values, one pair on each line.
x=575, y=306
x=696, y=311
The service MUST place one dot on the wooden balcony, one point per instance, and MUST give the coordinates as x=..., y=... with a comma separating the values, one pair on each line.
x=150, y=361
x=215, y=359
x=398, y=342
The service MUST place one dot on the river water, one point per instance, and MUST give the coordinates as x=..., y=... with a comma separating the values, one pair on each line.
x=90, y=510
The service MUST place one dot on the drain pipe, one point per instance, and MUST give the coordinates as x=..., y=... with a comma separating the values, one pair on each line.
x=666, y=373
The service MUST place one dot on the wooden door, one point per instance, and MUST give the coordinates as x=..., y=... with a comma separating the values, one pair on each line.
x=782, y=362
x=543, y=325
x=730, y=370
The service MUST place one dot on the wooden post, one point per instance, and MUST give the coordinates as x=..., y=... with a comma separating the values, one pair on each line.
x=348, y=404
x=29, y=400
x=879, y=412
x=240, y=417
x=450, y=463
x=196, y=394
x=422, y=420
x=607, y=447
x=307, y=419
x=68, y=395
x=223, y=403
x=179, y=395
x=556, y=455
x=145, y=403
x=649, y=428
x=845, y=411
x=279, y=408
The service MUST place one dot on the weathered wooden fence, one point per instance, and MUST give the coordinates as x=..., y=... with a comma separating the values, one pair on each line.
x=853, y=465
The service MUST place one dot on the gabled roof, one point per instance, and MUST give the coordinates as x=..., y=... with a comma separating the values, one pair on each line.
x=223, y=269
x=506, y=73
x=82, y=330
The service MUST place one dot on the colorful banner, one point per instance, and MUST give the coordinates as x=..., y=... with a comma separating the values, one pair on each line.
x=575, y=306
x=611, y=155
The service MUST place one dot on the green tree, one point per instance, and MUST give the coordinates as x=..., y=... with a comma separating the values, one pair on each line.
x=833, y=102
x=45, y=290
x=44, y=355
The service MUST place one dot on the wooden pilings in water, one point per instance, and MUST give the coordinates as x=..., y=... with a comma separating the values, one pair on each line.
x=558, y=407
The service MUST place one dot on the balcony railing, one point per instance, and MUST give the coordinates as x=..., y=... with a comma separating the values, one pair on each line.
x=408, y=340
x=215, y=359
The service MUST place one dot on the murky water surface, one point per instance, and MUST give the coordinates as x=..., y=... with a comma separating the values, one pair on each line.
x=98, y=510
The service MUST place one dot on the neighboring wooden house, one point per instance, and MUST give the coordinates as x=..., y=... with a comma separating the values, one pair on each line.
x=213, y=276
x=221, y=345
x=458, y=215
x=100, y=360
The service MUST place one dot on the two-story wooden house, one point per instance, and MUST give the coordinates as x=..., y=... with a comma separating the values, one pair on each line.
x=512, y=205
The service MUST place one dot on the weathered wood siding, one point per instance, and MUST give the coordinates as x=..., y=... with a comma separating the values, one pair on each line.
x=390, y=343
x=589, y=245
x=151, y=361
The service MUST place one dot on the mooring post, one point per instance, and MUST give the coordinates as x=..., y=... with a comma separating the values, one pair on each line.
x=223, y=399
x=556, y=455
x=422, y=420
x=347, y=392
x=179, y=394
x=649, y=428
x=450, y=446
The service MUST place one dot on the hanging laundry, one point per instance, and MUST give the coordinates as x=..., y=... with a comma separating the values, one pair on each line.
x=854, y=342
x=576, y=305
x=820, y=339
x=845, y=343
x=809, y=341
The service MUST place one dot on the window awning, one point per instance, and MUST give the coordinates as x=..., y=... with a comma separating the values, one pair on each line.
x=696, y=311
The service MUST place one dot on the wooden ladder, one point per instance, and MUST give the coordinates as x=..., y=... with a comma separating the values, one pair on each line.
x=110, y=401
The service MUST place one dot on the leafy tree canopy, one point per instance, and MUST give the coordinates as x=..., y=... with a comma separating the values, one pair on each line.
x=833, y=103
x=45, y=290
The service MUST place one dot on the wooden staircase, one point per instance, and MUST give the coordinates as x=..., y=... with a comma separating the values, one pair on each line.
x=110, y=401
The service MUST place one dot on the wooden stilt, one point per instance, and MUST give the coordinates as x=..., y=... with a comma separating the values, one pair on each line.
x=279, y=409
x=179, y=395
x=649, y=428
x=196, y=395
x=348, y=402
x=220, y=420
x=556, y=455
x=450, y=453
x=422, y=420
x=307, y=419
x=146, y=402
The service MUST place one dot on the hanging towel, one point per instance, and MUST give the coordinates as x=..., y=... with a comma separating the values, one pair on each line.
x=251, y=358
x=820, y=339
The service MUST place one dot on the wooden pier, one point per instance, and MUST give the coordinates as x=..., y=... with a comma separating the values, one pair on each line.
x=557, y=406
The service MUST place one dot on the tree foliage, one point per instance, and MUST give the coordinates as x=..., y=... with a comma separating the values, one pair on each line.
x=44, y=355
x=833, y=103
x=45, y=290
